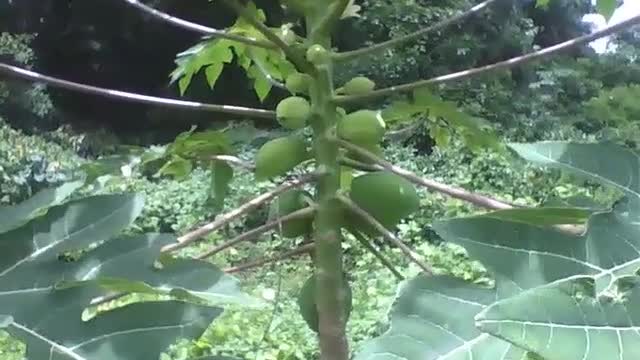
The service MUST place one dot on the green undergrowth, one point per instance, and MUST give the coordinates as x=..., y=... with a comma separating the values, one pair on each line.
x=278, y=331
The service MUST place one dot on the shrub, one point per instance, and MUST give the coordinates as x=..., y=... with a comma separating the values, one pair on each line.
x=29, y=163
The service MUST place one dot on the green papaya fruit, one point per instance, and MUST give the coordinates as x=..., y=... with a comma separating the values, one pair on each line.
x=287, y=35
x=307, y=302
x=358, y=85
x=298, y=83
x=287, y=203
x=280, y=155
x=362, y=127
x=318, y=55
x=384, y=195
x=374, y=148
x=293, y=112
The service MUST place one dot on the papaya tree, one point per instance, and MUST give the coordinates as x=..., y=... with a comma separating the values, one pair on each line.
x=336, y=131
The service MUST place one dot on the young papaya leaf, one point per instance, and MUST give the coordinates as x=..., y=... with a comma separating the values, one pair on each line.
x=213, y=54
x=200, y=145
x=569, y=320
x=41, y=293
x=15, y=216
x=176, y=167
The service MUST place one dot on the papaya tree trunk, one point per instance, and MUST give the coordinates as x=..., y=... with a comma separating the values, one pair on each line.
x=330, y=297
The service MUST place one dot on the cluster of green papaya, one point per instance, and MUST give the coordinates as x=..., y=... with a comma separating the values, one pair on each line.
x=384, y=195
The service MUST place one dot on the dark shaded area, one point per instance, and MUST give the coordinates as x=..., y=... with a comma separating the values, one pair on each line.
x=109, y=44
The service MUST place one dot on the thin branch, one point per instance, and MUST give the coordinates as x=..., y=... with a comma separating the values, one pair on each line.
x=350, y=55
x=502, y=65
x=367, y=245
x=306, y=248
x=234, y=160
x=454, y=192
x=295, y=57
x=388, y=235
x=232, y=215
x=201, y=29
x=253, y=233
x=18, y=72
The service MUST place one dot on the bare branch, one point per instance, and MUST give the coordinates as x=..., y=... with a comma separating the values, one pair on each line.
x=201, y=29
x=303, y=249
x=454, y=192
x=132, y=97
x=251, y=234
x=367, y=245
x=502, y=65
x=232, y=215
x=296, y=58
x=388, y=235
x=350, y=55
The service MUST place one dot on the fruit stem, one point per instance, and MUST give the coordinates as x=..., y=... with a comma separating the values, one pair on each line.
x=328, y=255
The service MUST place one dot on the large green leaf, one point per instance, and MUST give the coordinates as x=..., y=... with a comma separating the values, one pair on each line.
x=569, y=320
x=40, y=293
x=607, y=164
x=12, y=217
x=432, y=318
x=524, y=256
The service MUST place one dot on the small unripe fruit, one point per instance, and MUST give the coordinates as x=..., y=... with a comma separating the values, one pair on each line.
x=298, y=83
x=287, y=203
x=362, y=127
x=384, y=195
x=287, y=35
x=280, y=155
x=293, y=112
x=358, y=85
x=318, y=55
x=374, y=148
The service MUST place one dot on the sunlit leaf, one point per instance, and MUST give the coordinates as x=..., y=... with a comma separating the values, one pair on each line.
x=15, y=216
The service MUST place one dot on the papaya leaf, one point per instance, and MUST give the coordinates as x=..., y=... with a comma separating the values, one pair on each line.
x=523, y=257
x=177, y=167
x=15, y=216
x=425, y=103
x=432, y=318
x=42, y=302
x=213, y=54
x=569, y=320
x=607, y=164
